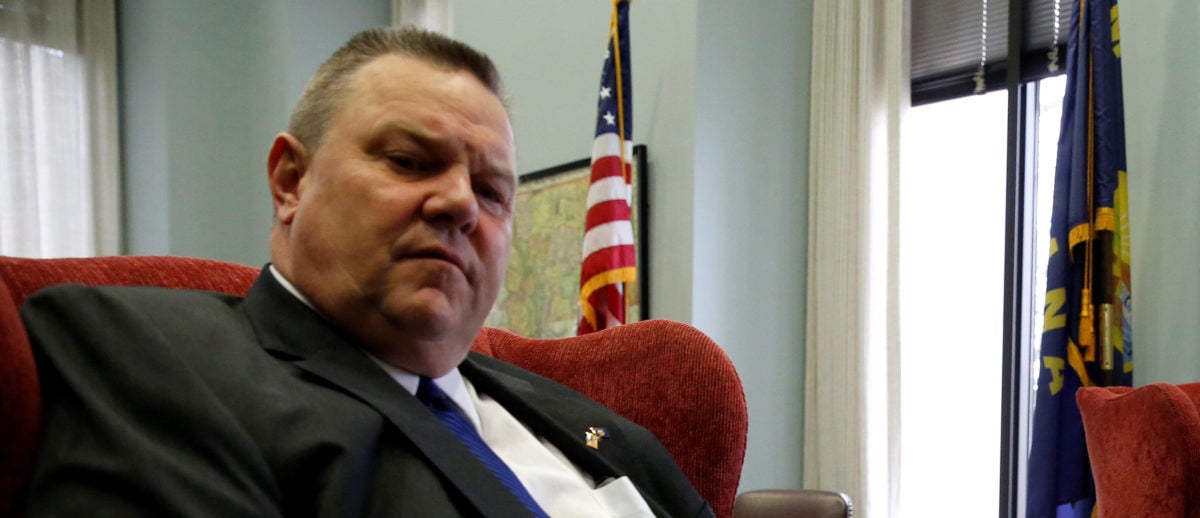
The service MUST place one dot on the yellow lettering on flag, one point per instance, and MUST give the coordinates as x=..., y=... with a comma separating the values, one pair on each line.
x=1053, y=316
x=1056, y=365
x=1075, y=358
x=1116, y=31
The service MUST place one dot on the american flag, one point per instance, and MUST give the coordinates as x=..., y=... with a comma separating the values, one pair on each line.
x=609, y=260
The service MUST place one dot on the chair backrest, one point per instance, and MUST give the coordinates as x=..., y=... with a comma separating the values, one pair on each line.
x=663, y=375
x=1144, y=447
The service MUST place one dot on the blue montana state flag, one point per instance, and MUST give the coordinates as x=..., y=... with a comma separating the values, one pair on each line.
x=1087, y=335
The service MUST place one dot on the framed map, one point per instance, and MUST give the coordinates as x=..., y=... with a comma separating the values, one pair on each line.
x=540, y=294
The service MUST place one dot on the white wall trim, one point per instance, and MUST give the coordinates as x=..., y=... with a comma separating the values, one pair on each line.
x=434, y=15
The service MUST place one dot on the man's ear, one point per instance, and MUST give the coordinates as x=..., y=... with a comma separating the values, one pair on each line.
x=286, y=167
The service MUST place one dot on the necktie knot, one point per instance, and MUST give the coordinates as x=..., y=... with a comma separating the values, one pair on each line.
x=433, y=397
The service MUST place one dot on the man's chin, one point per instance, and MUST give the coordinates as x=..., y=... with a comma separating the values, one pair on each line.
x=434, y=320
x=434, y=317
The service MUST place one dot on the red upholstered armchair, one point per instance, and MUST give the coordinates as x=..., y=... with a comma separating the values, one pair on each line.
x=1144, y=446
x=634, y=369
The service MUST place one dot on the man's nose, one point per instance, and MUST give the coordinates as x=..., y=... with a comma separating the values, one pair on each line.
x=452, y=202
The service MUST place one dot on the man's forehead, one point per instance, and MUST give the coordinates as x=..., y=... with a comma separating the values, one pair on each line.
x=398, y=76
x=416, y=98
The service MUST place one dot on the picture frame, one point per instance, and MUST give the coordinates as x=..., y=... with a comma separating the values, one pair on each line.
x=540, y=294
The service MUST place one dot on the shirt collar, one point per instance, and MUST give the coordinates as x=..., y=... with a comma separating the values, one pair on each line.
x=287, y=285
x=453, y=384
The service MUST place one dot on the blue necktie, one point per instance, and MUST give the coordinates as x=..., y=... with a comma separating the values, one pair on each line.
x=445, y=409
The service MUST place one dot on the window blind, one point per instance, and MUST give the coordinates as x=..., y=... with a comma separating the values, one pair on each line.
x=947, y=44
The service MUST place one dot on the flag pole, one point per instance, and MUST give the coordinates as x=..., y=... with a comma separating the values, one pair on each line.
x=615, y=31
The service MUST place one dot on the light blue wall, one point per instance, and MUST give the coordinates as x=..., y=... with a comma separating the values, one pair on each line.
x=751, y=215
x=721, y=101
x=1159, y=42
x=205, y=86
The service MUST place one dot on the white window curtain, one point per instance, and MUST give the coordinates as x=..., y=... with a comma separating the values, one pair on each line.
x=434, y=15
x=59, y=166
x=859, y=92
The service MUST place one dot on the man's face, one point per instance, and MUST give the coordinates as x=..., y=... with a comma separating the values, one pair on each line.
x=402, y=219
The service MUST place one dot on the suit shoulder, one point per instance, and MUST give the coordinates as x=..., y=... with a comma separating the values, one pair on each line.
x=125, y=317
x=78, y=298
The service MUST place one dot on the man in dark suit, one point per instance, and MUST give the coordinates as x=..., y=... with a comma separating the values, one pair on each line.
x=342, y=385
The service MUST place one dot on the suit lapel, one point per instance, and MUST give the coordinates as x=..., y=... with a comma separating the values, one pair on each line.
x=566, y=429
x=289, y=329
x=525, y=402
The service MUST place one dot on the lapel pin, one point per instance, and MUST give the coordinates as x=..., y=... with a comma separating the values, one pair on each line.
x=593, y=435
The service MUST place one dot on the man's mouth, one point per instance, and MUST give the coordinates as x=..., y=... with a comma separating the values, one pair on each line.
x=439, y=253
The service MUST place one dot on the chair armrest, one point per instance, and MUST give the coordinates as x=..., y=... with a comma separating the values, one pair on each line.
x=799, y=503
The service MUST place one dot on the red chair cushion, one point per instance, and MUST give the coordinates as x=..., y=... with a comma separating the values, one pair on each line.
x=1144, y=446
x=20, y=411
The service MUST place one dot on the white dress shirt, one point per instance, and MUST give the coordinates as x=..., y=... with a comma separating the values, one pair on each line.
x=558, y=486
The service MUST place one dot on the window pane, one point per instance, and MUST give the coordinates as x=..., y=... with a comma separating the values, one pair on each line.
x=952, y=209
x=1050, y=93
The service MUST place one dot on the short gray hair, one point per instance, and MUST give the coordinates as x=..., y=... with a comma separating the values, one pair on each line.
x=327, y=88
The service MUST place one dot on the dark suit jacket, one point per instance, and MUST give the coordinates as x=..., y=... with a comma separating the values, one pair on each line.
x=181, y=403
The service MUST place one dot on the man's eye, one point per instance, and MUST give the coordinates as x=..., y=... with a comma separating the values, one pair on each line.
x=492, y=196
x=489, y=194
x=493, y=199
x=405, y=162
